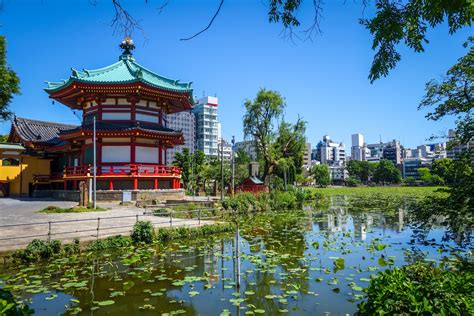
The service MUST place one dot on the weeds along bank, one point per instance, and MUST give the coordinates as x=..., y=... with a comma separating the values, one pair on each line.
x=143, y=234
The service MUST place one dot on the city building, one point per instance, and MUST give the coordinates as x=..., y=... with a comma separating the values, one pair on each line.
x=393, y=152
x=227, y=149
x=207, y=125
x=411, y=166
x=184, y=122
x=338, y=173
x=128, y=102
x=329, y=152
x=248, y=146
x=358, y=149
x=454, y=151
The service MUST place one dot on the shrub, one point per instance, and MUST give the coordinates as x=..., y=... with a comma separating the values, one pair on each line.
x=143, y=232
x=71, y=249
x=283, y=200
x=420, y=289
x=110, y=243
x=352, y=182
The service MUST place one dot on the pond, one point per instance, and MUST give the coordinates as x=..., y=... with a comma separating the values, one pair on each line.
x=308, y=262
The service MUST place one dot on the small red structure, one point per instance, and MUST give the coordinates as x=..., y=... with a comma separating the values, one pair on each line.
x=253, y=185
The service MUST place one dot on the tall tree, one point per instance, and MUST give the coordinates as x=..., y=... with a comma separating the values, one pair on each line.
x=321, y=175
x=9, y=83
x=385, y=172
x=259, y=120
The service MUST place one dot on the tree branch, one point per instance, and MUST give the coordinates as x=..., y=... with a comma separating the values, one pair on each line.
x=208, y=26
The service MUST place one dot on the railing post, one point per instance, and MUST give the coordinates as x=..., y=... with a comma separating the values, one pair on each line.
x=98, y=227
x=171, y=218
x=49, y=231
x=137, y=217
x=199, y=217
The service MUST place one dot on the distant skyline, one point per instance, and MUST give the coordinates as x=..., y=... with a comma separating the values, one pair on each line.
x=324, y=81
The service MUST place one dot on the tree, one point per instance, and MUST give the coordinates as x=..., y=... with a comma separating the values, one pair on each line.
x=3, y=138
x=454, y=95
x=183, y=161
x=443, y=168
x=261, y=115
x=425, y=175
x=241, y=157
x=9, y=83
x=321, y=175
x=386, y=172
x=362, y=170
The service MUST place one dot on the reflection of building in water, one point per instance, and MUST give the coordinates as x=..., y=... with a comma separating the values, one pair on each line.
x=362, y=223
x=335, y=220
x=401, y=223
x=205, y=262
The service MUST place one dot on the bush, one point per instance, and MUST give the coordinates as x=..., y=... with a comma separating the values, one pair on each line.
x=420, y=289
x=352, y=182
x=143, y=232
x=110, y=243
x=38, y=249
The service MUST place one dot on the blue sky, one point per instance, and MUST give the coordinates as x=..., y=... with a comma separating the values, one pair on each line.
x=324, y=81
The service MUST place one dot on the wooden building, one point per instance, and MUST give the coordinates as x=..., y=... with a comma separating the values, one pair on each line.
x=128, y=103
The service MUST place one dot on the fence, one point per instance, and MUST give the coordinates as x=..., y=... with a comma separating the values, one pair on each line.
x=88, y=229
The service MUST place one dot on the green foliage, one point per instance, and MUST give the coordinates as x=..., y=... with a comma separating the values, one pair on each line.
x=386, y=173
x=443, y=168
x=143, y=232
x=37, y=250
x=246, y=202
x=9, y=83
x=455, y=94
x=261, y=115
x=321, y=175
x=9, y=307
x=78, y=209
x=408, y=21
x=352, y=182
x=110, y=243
x=361, y=170
x=409, y=181
x=3, y=138
x=166, y=234
x=420, y=289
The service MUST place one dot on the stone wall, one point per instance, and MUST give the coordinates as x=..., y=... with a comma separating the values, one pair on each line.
x=114, y=196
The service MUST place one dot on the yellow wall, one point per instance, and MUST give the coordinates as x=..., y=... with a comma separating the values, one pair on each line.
x=23, y=174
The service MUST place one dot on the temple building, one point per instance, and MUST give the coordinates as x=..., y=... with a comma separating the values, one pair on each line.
x=128, y=103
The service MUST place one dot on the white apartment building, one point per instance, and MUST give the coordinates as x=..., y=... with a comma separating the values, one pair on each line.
x=185, y=122
x=358, y=149
x=329, y=152
x=249, y=147
x=207, y=125
x=227, y=147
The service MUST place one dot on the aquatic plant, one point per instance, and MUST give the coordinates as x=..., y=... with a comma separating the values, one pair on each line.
x=9, y=307
x=420, y=289
x=38, y=249
x=143, y=232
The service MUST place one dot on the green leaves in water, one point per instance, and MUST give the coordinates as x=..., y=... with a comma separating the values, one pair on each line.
x=338, y=264
x=105, y=303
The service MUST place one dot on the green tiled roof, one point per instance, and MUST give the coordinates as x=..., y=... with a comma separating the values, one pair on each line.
x=256, y=180
x=126, y=70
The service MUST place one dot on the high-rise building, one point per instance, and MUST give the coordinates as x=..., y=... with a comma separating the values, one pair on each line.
x=393, y=152
x=358, y=149
x=329, y=152
x=207, y=126
x=186, y=123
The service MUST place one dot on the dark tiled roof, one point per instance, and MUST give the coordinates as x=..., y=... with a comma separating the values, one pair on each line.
x=39, y=131
x=125, y=126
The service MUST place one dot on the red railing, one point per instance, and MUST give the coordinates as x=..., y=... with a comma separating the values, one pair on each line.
x=138, y=170
x=45, y=178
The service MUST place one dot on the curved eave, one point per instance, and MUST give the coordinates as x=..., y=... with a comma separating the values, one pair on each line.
x=79, y=80
x=86, y=133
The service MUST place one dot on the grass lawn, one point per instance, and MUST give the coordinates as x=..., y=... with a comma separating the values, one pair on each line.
x=77, y=209
x=364, y=191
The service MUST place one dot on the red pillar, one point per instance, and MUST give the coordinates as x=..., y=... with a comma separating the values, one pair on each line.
x=135, y=183
x=155, y=184
x=74, y=185
x=111, y=185
x=65, y=185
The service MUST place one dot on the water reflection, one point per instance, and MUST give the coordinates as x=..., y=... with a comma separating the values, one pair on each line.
x=288, y=263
